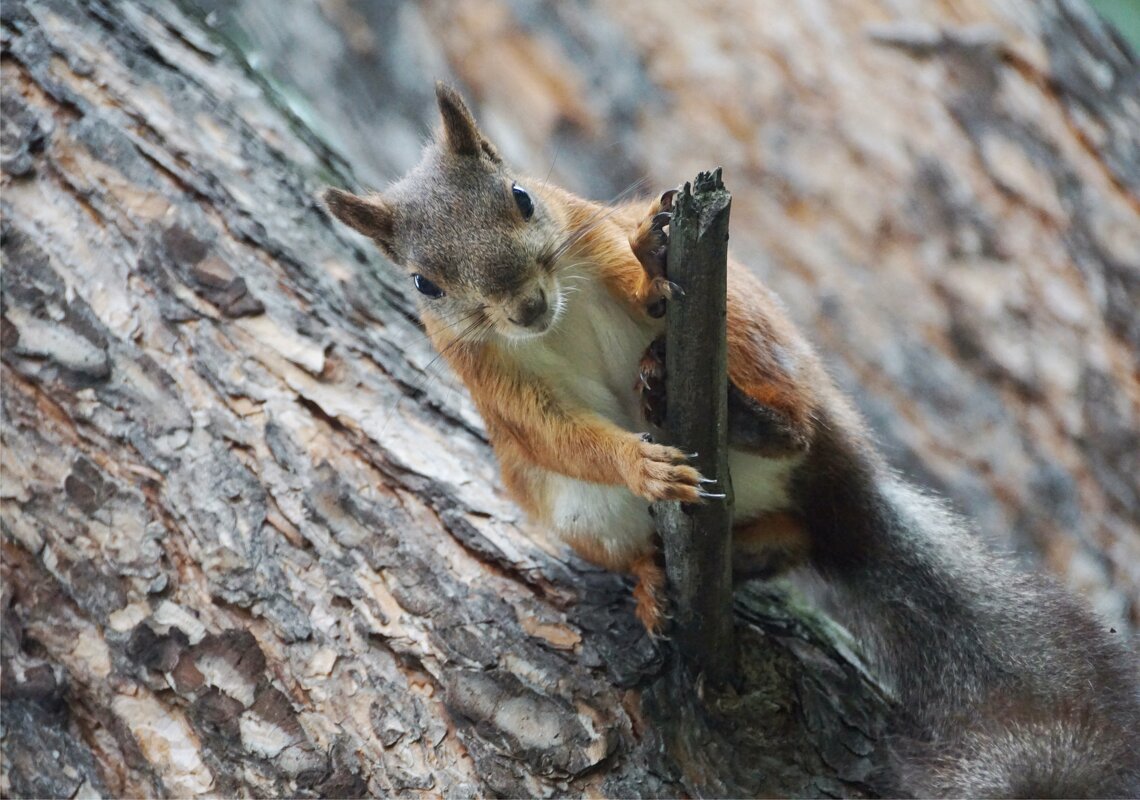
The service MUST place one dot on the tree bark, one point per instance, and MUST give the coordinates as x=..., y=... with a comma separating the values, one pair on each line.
x=253, y=540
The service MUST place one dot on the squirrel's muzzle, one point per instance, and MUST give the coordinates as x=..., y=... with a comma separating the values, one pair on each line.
x=529, y=310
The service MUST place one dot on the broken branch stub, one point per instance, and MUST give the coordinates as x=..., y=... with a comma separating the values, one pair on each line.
x=698, y=538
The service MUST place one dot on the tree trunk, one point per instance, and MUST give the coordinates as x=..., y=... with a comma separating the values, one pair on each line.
x=253, y=538
x=945, y=194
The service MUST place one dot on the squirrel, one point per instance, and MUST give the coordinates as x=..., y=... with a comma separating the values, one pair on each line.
x=549, y=308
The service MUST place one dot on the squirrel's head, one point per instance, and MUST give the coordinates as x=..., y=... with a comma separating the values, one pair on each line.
x=479, y=243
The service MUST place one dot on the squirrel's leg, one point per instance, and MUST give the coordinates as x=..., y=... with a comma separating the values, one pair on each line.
x=527, y=423
x=771, y=402
x=649, y=593
x=646, y=566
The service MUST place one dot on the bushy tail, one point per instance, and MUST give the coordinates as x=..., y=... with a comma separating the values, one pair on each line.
x=1059, y=752
x=1007, y=685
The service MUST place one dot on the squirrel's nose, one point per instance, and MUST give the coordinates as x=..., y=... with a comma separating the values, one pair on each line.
x=529, y=310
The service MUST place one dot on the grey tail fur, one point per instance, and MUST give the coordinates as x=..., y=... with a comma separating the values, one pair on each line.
x=1007, y=685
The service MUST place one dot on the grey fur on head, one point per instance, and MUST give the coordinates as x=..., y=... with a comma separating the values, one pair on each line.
x=455, y=225
x=369, y=215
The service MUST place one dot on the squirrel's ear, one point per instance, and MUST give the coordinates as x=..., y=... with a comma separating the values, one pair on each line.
x=460, y=133
x=370, y=215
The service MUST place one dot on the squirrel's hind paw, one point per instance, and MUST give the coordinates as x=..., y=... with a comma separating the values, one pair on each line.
x=649, y=594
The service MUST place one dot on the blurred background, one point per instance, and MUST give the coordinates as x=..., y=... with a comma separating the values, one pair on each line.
x=946, y=194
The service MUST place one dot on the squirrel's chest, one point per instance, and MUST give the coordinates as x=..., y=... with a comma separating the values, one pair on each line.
x=591, y=356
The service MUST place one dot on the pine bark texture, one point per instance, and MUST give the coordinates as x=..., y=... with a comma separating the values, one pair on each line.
x=253, y=539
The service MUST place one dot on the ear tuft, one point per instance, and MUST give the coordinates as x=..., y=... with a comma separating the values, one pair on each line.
x=461, y=135
x=370, y=215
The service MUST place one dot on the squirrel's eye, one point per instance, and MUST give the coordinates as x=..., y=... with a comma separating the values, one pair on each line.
x=426, y=287
x=523, y=201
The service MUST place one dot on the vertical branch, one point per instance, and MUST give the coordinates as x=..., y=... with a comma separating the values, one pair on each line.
x=698, y=538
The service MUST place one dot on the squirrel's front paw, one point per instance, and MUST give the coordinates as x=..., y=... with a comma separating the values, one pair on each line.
x=660, y=473
x=650, y=245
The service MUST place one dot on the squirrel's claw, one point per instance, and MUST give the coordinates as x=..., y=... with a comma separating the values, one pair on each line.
x=660, y=290
x=675, y=292
x=650, y=384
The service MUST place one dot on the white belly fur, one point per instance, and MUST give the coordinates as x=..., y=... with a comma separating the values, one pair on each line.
x=611, y=515
x=759, y=484
x=590, y=357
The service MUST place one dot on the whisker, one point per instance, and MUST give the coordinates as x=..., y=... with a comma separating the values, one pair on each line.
x=458, y=321
x=550, y=171
x=603, y=212
x=457, y=340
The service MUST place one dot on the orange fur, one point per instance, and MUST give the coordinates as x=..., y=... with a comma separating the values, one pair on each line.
x=606, y=245
x=766, y=360
x=529, y=426
x=649, y=591
x=525, y=421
